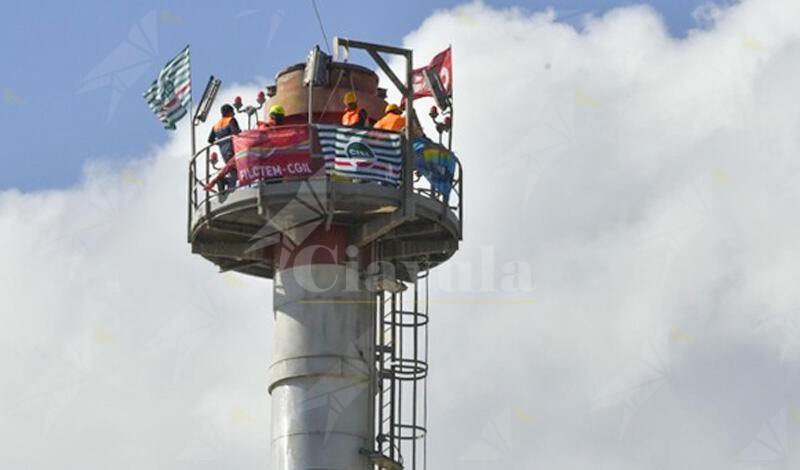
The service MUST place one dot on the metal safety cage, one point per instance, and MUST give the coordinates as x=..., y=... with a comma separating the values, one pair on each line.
x=402, y=368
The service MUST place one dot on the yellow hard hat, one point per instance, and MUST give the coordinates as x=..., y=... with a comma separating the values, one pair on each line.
x=277, y=109
x=350, y=97
x=391, y=107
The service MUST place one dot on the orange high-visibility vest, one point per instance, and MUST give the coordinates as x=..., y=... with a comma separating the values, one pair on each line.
x=223, y=123
x=354, y=117
x=391, y=122
x=223, y=128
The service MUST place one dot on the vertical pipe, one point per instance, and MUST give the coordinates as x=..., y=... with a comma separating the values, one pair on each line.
x=191, y=121
x=398, y=384
x=194, y=150
x=310, y=102
x=371, y=359
x=416, y=363
x=394, y=408
x=191, y=112
x=408, y=163
x=425, y=386
x=322, y=364
x=381, y=366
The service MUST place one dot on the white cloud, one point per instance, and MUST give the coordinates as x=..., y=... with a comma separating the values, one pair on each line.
x=650, y=183
x=115, y=335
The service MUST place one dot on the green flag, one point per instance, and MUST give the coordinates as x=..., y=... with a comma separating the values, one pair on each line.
x=171, y=93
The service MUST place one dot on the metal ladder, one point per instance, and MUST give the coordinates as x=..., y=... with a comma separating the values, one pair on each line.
x=401, y=364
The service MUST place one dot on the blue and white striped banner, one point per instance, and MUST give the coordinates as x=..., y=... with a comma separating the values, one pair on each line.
x=363, y=154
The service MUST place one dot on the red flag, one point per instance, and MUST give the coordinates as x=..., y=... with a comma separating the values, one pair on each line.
x=442, y=63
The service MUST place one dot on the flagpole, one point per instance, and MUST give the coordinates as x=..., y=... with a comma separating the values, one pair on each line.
x=194, y=144
x=191, y=107
x=452, y=102
x=192, y=164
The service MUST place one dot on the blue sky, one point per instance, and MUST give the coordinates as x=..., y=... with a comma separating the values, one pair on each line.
x=56, y=115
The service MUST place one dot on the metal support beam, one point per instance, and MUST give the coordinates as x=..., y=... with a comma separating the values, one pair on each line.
x=232, y=227
x=416, y=249
x=237, y=251
x=351, y=43
x=411, y=118
x=416, y=231
x=378, y=227
x=240, y=266
x=388, y=71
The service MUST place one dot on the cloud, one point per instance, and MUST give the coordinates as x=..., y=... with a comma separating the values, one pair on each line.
x=648, y=183
x=115, y=334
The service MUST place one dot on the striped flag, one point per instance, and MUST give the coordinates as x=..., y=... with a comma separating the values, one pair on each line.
x=171, y=93
x=363, y=154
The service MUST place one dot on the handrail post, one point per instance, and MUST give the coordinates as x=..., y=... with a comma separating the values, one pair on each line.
x=190, y=201
x=460, y=201
x=208, y=173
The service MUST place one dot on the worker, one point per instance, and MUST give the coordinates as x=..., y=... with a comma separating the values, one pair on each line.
x=276, y=117
x=225, y=128
x=393, y=119
x=353, y=115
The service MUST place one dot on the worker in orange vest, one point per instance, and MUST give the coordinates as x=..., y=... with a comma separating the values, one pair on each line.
x=276, y=117
x=225, y=127
x=393, y=119
x=353, y=116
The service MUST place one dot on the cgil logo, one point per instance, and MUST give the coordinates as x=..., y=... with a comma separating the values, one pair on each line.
x=359, y=150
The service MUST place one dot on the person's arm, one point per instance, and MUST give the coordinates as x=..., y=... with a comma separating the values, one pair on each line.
x=362, y=118
x=211, y=137
x=235, y=126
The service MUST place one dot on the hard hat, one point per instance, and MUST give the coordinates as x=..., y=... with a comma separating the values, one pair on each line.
x=391, y=107
x=277, y=109
x=350, y=97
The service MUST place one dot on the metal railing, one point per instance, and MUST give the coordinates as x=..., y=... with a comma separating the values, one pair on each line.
x=203, y=171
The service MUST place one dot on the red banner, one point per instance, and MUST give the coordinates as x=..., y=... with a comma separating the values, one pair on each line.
x=442, y=63
x=274, y=153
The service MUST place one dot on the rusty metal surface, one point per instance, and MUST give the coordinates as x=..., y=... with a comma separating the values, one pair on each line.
x=327, y=101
